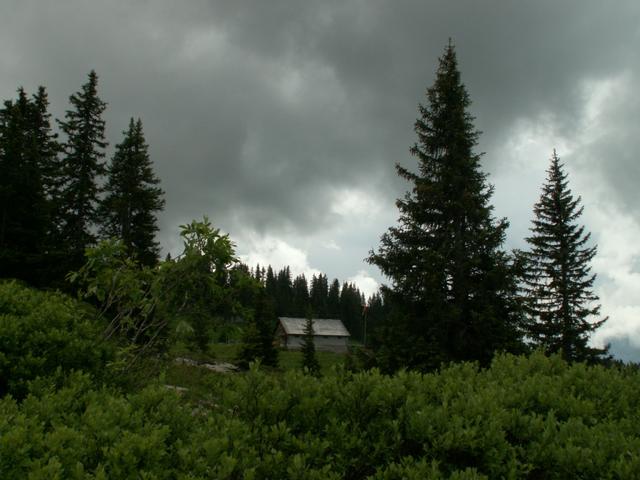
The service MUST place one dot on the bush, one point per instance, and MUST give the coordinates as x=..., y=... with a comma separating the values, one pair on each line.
x=45, y=332
x=529, y=418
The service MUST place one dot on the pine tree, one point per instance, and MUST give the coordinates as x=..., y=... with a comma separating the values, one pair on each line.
x=128, y=211
x=270, y=284
x=351, y=310
x=319, y=294
x=257, y=343
x=452, y=287
x=48, y=146
x=82, y=166
x=28, y=161
x=309, y=360
x=48, y=150
x=283, y=292
x=300, y=301
x=333, y=300
x=557, y=282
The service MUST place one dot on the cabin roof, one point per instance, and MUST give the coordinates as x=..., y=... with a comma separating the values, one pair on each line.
x=329, y=327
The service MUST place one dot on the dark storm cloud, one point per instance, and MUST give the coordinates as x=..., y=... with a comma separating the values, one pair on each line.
x=257, y=111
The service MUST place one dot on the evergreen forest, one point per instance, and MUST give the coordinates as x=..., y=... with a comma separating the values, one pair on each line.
x=471, y=362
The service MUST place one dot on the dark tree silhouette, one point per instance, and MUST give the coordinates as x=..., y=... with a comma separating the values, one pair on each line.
x=309, y=360
x=133, y=198
x=451, y=282
x=558, y=282
x=82, y=166
x=28, y=185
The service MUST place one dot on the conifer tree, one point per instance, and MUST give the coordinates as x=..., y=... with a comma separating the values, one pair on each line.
x=28, y=178
x=82, y=166
x=270, y=284
x=283, y=292
x=351, y=310
x=333, y=300
x=319, y=293
x=558, y=284
x=48, y=147
x=128, y=211
x=300, y=292
x=257, y=342
x=309, y=360
x=451, y=283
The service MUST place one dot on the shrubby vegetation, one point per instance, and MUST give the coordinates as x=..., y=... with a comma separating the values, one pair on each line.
x=42, y=333
x=534, y=417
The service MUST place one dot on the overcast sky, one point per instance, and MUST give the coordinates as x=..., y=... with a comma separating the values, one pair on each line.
x=282, y=120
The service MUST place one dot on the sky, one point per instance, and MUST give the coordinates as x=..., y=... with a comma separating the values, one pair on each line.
x=282, y=120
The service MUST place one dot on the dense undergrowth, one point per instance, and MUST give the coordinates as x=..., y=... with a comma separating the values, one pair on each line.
x=68, y=411
x=531, y=417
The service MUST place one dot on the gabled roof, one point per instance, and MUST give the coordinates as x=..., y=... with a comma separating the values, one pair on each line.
x=329, y=327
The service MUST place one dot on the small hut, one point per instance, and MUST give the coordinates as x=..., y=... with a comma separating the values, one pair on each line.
x=329, y=334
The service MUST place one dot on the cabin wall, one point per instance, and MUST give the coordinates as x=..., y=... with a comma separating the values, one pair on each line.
x=322, y=343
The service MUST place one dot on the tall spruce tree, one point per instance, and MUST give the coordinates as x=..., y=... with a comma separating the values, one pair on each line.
x=333, y=299
x=309, y=360
x=351, y=303
x=82, y=166
x=28, y=180
x=557, y=281
x=451, y=282
x=319, y=293
x=300, y=292
x=258, y=338
x=133, y=198
x=49, y=148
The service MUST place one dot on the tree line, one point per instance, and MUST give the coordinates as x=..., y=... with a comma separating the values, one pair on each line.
x=296, y=297
x=455, y=294
x=58, y=195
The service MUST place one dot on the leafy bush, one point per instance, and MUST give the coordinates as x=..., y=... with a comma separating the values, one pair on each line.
x=531, y=418
x=43, y=332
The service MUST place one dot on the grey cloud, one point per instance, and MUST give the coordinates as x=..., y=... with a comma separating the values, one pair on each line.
x=209, y=80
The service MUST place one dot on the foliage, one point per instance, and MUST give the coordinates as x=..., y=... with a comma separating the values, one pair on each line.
x=309, y=361
x=558, y=283
x=192, y=295
x=128, y=211
x=197, y=286
x=529, y=418
x=123, y=291
x=452, y=283
x=44, y=332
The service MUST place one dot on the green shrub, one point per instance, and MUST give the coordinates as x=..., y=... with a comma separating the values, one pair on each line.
x=529, y=418
x=45, y=332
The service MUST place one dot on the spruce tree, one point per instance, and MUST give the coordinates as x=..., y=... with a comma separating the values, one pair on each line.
x=300, y=292
x=53, y=249
x=257, y=341
x=451, y=282
x=333, y=300
x=132, y=200
x=283, y=292
x=557, y=283
x=82, y=166
x=309, y=360
x=319, y=293
x=351, y=302
x=28, y=172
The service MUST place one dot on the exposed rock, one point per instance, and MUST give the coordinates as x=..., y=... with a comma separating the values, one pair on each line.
x=219, y=367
